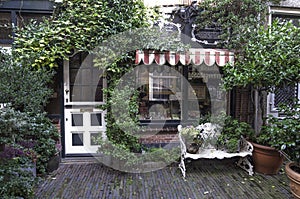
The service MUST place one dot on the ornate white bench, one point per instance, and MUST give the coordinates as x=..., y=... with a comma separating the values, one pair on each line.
x=208, y=151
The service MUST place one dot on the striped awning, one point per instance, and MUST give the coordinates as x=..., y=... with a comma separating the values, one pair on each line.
x=194, y=56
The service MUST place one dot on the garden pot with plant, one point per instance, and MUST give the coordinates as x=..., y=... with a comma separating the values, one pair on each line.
x=292, y=170
x=267, y=160
x=54, y=161
x=281, y=134
x=268, y=61
x=191, y=139
x=288, y=127
x=231, y=133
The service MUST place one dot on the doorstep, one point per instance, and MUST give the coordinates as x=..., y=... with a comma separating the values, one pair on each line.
x=79, y=160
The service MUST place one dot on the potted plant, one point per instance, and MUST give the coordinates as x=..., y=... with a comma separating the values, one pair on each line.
x=228, y=139
x=268, y=61
x=191, y=138
x=54, y=161
x=292, y=170
x=278, y=139
x=284, y=135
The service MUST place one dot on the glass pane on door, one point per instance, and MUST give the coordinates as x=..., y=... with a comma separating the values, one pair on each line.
x=86, y=82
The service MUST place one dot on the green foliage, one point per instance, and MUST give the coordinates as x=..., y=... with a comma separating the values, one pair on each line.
x=226, y=135
x=133, y=161
x=231, y=133
x=122, y=117
x=82, y=25
x=237, y=19
x=270, y=59
x=77, y=25
x=15, y=180
x=283, y=133
x=16, y=127
x=25, y=88
x=190, y=135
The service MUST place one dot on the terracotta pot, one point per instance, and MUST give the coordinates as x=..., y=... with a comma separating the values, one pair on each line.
x=267, y=160
x=294, y=179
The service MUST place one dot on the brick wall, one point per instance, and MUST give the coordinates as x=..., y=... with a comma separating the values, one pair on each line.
x=157, y=136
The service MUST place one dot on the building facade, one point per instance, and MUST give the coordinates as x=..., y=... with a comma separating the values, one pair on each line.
x=175, y=87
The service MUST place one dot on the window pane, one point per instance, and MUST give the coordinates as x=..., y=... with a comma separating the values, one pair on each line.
x=77, y=119
x=99, y=94
x=96, y=119
x=86, y=76
x=199, y=99
x=160, y=93
x=77, y=139
x=74, y=78
x=86, y=83
x=285, y=95
x=5, y=26
x=94, y=137
x=294, y=19
x=75, y=93
x=25, y=18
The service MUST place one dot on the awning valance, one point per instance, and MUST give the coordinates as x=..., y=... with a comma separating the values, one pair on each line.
x=194, y=56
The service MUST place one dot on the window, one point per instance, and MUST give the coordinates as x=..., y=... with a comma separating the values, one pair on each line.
x=162, y=87
x=11, y=18
x=160, y=92
x=283, y=95
x=25, y=18
x=86, y=81
x=173, y=93
x=5, y=26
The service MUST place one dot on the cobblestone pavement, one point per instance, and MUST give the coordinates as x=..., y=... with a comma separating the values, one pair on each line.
x=205, y=179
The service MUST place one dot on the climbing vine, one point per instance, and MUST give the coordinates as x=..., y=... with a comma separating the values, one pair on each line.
x=234, y=18
x=77, y=25
x=87, y=26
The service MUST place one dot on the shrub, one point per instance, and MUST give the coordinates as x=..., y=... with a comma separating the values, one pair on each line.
x=20, y=127
x=15, y=181
x=24, y=87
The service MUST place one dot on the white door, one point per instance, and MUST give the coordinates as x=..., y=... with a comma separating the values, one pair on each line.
x=84, y=120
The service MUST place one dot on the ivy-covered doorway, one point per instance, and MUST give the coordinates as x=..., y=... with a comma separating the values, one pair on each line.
x=83, y=93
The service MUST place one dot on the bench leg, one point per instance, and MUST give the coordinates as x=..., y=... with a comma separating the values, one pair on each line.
x=182, y=166
x=245, y=164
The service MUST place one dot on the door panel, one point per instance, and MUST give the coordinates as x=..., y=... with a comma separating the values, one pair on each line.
x=83, y=127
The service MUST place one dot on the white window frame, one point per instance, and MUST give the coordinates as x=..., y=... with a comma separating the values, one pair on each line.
x=152, y=87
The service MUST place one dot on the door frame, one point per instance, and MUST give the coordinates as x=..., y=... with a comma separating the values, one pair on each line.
x=66, y=104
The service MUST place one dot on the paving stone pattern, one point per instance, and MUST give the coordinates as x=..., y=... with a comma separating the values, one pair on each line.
x=205, y=179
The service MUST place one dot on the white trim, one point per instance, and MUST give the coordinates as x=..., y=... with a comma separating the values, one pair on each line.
x=66, y=82
x=5, y=49
x=284, y=10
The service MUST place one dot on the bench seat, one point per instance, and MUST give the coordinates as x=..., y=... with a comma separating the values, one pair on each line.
x=245, y=151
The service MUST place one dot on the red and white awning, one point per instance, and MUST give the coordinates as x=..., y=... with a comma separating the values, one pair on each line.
x=194, y=56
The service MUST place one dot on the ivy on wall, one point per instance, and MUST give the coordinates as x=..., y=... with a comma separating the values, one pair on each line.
x=77, y=25
x=80, y=26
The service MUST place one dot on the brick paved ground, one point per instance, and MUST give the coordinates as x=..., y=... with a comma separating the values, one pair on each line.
x=205, y=179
